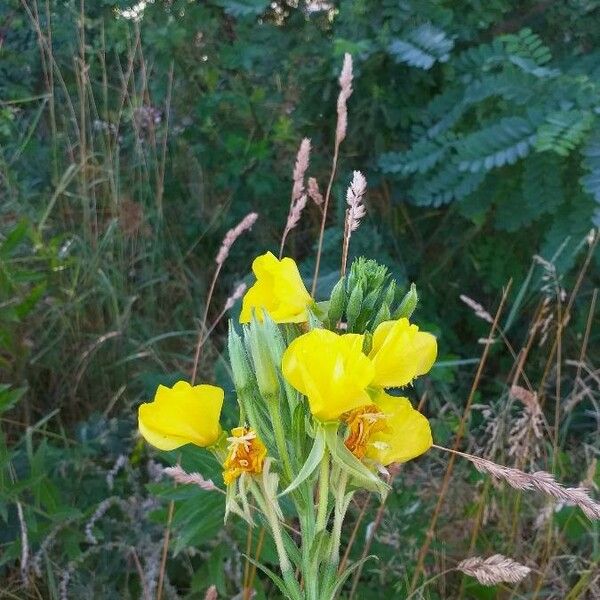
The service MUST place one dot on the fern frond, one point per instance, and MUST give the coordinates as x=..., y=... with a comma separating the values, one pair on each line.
x=527, y=44
x=591, y=162
x=422, y=157
x=563, y=131
x=446, y=185
x=422, y=47
x=497, y=145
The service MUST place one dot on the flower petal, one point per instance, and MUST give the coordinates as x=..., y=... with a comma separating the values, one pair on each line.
x=331, y=370
x=279, y=290
x=401, y=352
x=406, y=436
x=182, y=415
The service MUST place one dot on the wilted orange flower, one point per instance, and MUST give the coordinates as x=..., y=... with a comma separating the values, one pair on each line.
x=246, y=454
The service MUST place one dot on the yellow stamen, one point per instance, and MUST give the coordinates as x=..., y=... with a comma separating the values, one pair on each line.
x=362, y=423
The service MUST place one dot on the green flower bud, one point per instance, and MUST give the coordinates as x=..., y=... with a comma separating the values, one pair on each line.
x=260, y=342
x=382, y=315
x=337, y=303
x=354, y=306
x=408, y=304
x=390, y=293
x=240, y=366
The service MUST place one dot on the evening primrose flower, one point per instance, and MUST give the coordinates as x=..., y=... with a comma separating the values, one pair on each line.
x=246, y=454
x=183, y=414
x=279, y=290
x=331, y=370
x=401, y=352
x=387, y=431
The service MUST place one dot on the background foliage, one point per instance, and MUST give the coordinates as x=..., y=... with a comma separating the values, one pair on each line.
x=130, y=141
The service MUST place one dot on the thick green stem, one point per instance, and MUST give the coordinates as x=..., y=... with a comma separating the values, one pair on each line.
x=340, y=512
x=323, y=493
x=285, y=565
x=280, y=440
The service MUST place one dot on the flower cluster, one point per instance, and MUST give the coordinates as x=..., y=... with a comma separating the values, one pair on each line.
x=312, y=382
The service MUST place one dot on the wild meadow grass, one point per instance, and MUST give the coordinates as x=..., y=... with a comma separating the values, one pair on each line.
x=109, y=286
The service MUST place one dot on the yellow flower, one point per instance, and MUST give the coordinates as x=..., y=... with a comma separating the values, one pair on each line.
x=331, y=370
x=246, y=454
x=182, y=415
x=401, y=352
x=279, y=290
x=388, y=431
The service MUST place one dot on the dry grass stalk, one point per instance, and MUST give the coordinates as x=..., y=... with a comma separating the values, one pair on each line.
x=526, y=434
x=540, y=481
x=477, y=308
x=354, y=213
x=457, y=440
x=237, y=293
x=233, y=234
x=314, y=193
x=292, y=220
x=354, y=198
x=345, y=81
x=180, y=476
x=300, y=168
x=493, y=570
x=230, y=237
x=24, y=545
x=298, y=201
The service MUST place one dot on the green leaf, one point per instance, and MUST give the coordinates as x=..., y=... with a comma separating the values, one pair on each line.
x=332, y=593
x=422, y=47
x=311, y=463
x=9, y=397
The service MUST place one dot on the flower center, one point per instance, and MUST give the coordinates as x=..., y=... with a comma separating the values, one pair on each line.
x=246, y=454
x=362, y=423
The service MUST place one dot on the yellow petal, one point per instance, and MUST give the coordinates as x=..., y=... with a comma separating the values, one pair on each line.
x=182, y=415
x=407, y=433
x=279, y=290
x=401, y=352
x=330, y=370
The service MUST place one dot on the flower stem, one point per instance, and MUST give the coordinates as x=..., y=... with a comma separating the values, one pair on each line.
x=284, y=562
x=323, y=493
x=280, y=440
x=340, y=512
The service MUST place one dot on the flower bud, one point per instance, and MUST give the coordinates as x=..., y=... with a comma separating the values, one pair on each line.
x=240, y=366
x=408, y=304
x=337, y=302
x=354, y=306
x=382, y=315
x=260, y=342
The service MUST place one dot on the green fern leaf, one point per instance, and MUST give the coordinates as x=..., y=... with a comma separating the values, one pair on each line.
x=446, y=185
x=503, y=143
x=563, y=131
x=528, y=45
x=422, y=47
x=591, y=162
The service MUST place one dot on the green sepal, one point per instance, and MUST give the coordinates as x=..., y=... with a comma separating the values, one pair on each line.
x=360, y=474
x=311, y=463
x=314, y=322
